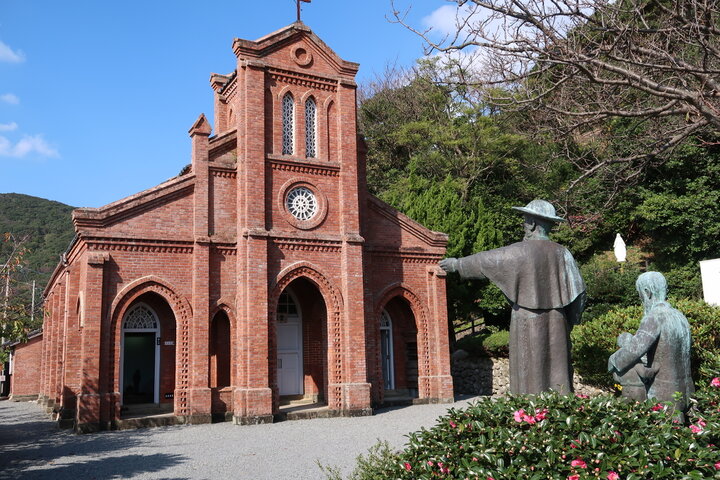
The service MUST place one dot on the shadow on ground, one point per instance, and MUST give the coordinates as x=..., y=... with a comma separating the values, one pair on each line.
x=33, y=447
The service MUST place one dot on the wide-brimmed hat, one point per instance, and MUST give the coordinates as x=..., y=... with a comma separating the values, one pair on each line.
x=541, y=209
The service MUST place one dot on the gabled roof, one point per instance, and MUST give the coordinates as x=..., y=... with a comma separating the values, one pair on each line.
x=429, y=237
x=134, y=204
x=285, y=36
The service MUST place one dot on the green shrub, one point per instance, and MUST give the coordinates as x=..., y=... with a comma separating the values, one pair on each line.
x=486, y=344
x=609, y=283
x=594, y=341
x=551, y=436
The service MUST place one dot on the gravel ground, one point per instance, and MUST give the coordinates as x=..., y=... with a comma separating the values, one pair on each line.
x=31, y=446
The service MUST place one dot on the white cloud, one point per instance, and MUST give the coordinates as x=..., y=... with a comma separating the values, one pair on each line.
x=10, y=98
x=448, y=19
x=8, y=127
x=7, y=54
x=27, y=145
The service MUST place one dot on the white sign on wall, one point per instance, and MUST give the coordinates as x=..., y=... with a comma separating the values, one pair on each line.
x=710, y=272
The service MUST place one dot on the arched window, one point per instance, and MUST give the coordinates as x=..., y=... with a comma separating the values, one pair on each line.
x=288, y=124
x=220, y=352
x=310, y=128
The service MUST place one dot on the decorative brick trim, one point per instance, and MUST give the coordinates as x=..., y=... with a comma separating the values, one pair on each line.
x=405, y=257
x=221, y=172
x=304, y=167
x=138, y=245
x=303, y=79
x=306, y=245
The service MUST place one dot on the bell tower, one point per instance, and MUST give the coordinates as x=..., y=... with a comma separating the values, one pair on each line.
x=292, y=103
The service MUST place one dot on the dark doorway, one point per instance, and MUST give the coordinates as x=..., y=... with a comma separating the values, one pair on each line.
x=139, y=368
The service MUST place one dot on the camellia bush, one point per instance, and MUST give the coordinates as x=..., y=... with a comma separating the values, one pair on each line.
x=594, y=341
x=567, y=437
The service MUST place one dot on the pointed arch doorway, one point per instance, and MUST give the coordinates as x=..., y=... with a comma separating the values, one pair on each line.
x=301, y=343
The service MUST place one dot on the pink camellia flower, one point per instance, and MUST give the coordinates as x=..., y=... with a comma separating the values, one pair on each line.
x=408, y=467
x=578, y=463
x=715, y=382
x=696, y=428
x=613, y=476
x=453, y=424
x=657, y=407
x=541, y=414
x=573, y=477
x=430, y=463
x=519, y=414
x=582, y=395
x=490, y=478
x=717, y=466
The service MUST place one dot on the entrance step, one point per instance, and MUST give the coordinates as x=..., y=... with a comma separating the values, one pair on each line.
x=303, y=410
x=399, y=398
x=145, y=410
x=147, y=421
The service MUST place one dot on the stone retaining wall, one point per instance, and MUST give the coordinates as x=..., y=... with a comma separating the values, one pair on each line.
x=490, y=376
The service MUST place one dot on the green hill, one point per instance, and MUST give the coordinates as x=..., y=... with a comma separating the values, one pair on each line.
x=48, y=226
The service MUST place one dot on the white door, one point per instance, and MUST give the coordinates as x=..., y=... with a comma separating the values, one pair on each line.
x=289, y=362
x=386, y=351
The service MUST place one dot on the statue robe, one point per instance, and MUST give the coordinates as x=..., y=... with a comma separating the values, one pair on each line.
x=664, y=336
x=543, y=284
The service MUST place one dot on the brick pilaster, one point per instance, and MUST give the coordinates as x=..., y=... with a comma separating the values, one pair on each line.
x=91, y=389
x=252, y=396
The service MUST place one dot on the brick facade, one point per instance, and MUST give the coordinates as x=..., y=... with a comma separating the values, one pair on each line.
x=205, y=265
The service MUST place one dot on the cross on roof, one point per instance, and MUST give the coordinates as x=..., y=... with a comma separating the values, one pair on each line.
x=298, y=7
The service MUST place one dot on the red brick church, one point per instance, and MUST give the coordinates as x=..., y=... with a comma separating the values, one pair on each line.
x=265, y=272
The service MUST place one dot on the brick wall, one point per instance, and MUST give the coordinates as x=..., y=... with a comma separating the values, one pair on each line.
x=26, y=369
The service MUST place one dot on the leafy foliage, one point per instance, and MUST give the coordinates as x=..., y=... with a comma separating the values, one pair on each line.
x=594, y=341
x=35, y=233
x=551, y=436
x=46, y=223
x=488, y=343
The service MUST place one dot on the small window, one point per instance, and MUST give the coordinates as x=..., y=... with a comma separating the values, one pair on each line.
x=310, y=128
x=286, y=304
x=288, y=124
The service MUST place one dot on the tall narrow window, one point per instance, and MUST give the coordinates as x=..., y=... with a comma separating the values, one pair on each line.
x=310, y=128
x=288, y=124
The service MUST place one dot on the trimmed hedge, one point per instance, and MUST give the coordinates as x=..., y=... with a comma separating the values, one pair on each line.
x=594, y=341
x=490, y=344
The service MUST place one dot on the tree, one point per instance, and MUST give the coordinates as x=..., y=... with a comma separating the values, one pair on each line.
x=616, y=84
x=14, y=313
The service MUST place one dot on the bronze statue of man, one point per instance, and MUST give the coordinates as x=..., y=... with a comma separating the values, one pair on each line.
x=660, y=349
x=543, y=285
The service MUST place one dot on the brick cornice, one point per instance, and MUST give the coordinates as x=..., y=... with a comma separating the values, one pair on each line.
x=405, y=255
x=138, y=245
x=307, y=167
x=306, y=80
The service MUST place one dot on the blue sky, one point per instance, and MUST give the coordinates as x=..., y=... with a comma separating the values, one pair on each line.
x=96, y=97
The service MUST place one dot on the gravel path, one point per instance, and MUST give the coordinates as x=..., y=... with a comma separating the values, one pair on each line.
x=31, y=446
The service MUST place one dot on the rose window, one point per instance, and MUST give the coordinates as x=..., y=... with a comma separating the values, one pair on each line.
x=302, y=203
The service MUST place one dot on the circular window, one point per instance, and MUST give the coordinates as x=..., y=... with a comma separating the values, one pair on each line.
x=301, y=203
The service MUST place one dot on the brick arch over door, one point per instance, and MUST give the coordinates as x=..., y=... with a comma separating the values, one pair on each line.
x=183, y=313
x=400, y=290
x=333, y=303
